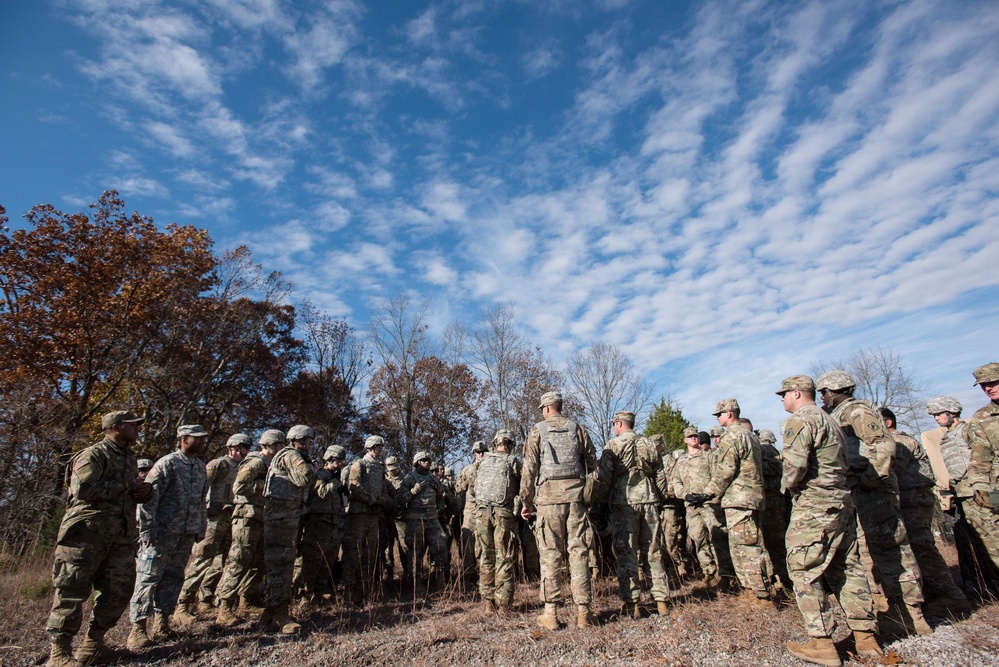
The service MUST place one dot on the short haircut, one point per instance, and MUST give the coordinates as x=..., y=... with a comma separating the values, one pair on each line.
x=888, y=415
x=746, y=423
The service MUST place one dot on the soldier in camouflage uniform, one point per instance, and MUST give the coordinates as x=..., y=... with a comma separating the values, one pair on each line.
x=286, y=490
x=424, y=498
x=244, y=563
x=982, y=510
x=558, y=455
x=773, y=522
x=822, y=555
x=371, y=496
x=869, y=452
x=95, y=547
x=632, y=471
x=170, y=522
x=497, y=483
x=672, y=515
x=207, y=558
x=465, y=492
x=692, y=474
x=918, y=502
x=396, y=538
x=322, y=528
x=448, y=513
x=737, y=481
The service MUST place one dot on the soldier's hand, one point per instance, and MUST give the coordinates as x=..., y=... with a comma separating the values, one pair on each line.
x=982, y=499
x=525, y=512
x=142, y=491
x=417, y=488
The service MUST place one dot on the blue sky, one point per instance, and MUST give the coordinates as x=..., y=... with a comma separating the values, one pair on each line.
x=730, y=191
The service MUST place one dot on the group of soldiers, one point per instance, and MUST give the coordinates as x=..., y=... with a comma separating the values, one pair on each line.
x=173, y=539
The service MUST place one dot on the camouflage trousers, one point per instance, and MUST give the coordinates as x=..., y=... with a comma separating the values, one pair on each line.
x=749, y=558
x=207, y=559
x=318, y=550
x=562, y=533
x=672, y=523
x=719, y=540
x=638, y=549
x=918, y=509
x=159, y=576
x=281, y=534
x=530, y=557
x=822, y=558
x=701, y=524
x=983, y=526
x=773, y=526
x=87, y=559
x=360, y=554
x=496, y=543
x=470, y=550
x=888, y=554
x=425, y=536
x=391, y=540
x=244, y=563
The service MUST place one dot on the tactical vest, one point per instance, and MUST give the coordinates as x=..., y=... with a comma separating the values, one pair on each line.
x=372, y=477
x=560, y=455
x=220, y=492
x=494, y=480
x=279, y=485
x=425, y=502
x=956, y=452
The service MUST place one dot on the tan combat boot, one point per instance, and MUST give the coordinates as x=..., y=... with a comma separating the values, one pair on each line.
x=182, y=615
x=161, y=627
x=94, y=651
x=226, y=614
x=865, y=645
x=489, y=607
x=137, y=638
x=548, y=619
x=919, y=623
x=662, y=608
x=820, y=651
x=247, y=608
x=631, y=610
x=284, y=620
x=61, y=654
x=584, y=619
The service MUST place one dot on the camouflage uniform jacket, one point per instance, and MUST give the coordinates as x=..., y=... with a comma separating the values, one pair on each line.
x=737, y=478
x=773, y=468
x=633, y=470
x=869, y=446
x=177, y=506
x=289, y=477
x=911, y=464
x=220, y=473
x=248, y=488
x=428, y=503
x=693, y=473
x=325, y=495
x=815, y=467
x=983, y=435
x=553, y=491
x=464, y=487
x=369, y=488
x=955, y=448
x=101, y=480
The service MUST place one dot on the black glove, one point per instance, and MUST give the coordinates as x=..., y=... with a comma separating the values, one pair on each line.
x=698, y=499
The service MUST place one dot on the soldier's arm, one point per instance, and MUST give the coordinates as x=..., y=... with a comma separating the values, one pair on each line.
x=724, y=470
x=300, y=471
x=869, y=428
x=797, y=446
x=354, y=486
x=980, y=472
x=661, y=479
x=147, y=511
x=676, y=480
x=530, y=470
x=589, y=451
x=87, y=481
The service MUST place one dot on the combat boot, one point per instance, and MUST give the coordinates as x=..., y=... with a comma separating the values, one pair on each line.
x=919, y=623
x=584, y=619
x=489, y=607
x=161, y=627
x=865, y=645
x=631, y=610
x=548, y=619
x=820, y=651
x=137, y=638
x=61, y=654
x=226, y=614
x=284, y=620
x=182, y=615
x=247, y=608
x=662, y=608
x=94, y=651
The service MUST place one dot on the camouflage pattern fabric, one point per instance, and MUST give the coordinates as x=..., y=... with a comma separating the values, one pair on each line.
x=749, y=558
x=692, y=475
x=245, y=561
x=983, y=477
x=773, y=518
x=496, y=542
x=314, y=564
x=673, y=520
x=371, y=496
x=423, y=529
x=288, y=481
x=159, y=576
x=470, y=554
x=95, y=546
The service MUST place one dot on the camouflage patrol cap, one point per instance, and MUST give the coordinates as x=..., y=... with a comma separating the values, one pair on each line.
x=935, y=406
x=480, y=446
x=690, y=431
x=716, y=431
x=726, y=405
x=767, y=436
x=300, y=432
x=239, y=440
x=834, y=381
x=120, y=417
x=144, y=464
x=795, y=383
x=421, y=456
x=392, y=463
x=986, y=373
x=271, y=437
x=334, y=453
x=624, y=416
x=503, y=435
x=550, y=397
x=374, y=441
x=193, y=430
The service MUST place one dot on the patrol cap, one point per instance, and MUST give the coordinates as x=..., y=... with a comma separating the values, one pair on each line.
x=624, y=416
x=239, y=440
x=726, y=405
x=392, y=463
x=935, y=406
x=300, y=432
x=716, y=431
x=986, y=373
x=271, y=437
x=421, y=456
x=480, y=446
x=334, y=453
x=834, y=381
x=550, y=397
x=448, y=472
x=690, y=431
x=795, y=383
x=374, y=441
x=193, y=430
x=767, y=436
x=120, y=417
x=144, y=464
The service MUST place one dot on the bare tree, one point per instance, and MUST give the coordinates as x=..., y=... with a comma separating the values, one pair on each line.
x=495, y=352
x=605, y=381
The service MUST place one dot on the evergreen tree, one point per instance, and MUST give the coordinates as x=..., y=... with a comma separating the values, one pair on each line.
x=667, y=419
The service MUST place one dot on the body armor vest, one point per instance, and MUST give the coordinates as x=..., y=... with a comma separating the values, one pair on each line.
x=220, y=491
x=493, y=482
x=279, y=485
x=560, y=456
x=956, y=452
